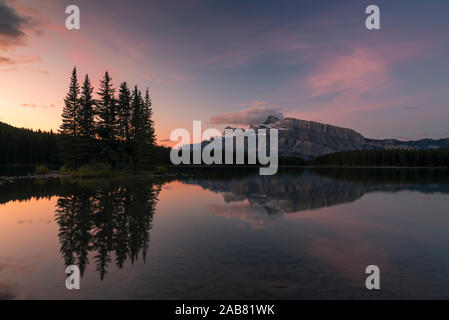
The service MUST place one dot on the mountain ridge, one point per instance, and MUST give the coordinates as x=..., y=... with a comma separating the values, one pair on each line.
x=309, y=139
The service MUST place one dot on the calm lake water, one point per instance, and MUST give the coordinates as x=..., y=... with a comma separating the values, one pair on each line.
x=301, y=234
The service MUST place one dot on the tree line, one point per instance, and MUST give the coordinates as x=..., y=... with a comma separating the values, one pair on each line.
x=25, y=146
x=385, y=158
x=115, y=130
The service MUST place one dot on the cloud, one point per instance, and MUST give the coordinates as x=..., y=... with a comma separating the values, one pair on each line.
x=31, y=105
x=16, y=22
x=5, y=60
x=256, y=112
x=30, y=68
x=18, y=59
x=358, y=72
x=34, y=105
x=11, y=26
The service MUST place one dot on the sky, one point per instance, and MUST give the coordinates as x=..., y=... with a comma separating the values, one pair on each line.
x=236, y=62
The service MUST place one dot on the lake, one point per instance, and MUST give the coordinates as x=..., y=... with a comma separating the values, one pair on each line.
x=301, y=234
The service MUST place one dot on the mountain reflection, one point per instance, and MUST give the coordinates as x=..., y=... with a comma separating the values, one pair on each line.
x=108, y=222
x=299, y=190
x=105, y=223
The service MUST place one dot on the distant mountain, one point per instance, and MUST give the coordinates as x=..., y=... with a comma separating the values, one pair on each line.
x=308, y=139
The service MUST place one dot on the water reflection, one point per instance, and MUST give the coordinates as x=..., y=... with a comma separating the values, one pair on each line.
x=105, y=221
x=104, y=226
x=299, y=190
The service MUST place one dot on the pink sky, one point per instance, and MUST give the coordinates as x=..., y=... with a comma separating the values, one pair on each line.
x=321, y=65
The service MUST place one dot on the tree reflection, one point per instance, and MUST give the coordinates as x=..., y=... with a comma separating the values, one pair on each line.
x=106, y=222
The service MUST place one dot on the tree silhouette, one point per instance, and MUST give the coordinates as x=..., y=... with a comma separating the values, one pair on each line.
x=124, y=113
x=69, y=128
x=69, y=124
x=106, y=110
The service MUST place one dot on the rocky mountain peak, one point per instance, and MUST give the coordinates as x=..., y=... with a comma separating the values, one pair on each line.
x=308, y=139
x=271, y=119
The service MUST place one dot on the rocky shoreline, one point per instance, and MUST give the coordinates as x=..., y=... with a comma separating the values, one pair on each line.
x=4, y=179
x=9, y=179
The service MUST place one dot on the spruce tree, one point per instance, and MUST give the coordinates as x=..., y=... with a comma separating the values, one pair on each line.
x=115, y=130
x=69, y=128
x=148, y=120
x=124, y=113
x=85, y=143
x=138, y=130
x=106, y=110
x=69, y=124
x=137, y=116
x=86, y=110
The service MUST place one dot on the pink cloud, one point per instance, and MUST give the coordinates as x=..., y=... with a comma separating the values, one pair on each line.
x=12, y=60
x=359, y=72
x=256, y=112
x=363, y=69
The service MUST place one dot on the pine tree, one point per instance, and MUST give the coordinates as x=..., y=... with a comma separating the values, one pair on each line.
x=85, y=144
x=142, y=128
x=137, y=129
x=106, y=110
x=148, y=120
x=137, y=116
x=119, y=132
x=69, y=124
x=124, y=113
x=69, y=128
x=86, y=110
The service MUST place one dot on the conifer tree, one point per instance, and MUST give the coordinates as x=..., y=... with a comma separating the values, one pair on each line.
x=115, y=132
x=124, y=113
x=85, y=144
x=137, y=116
x=106, y=110
x=138, y=149
x=86, y=110
x=69, y=124
x=148, y=120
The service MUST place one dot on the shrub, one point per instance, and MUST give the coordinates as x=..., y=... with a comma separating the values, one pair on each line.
x=41, y=169
x=94, y=170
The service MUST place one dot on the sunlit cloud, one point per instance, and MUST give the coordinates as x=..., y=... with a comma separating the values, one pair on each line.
x=359, y=72
x=35, y=105
x=18, y=60
x=256, y=112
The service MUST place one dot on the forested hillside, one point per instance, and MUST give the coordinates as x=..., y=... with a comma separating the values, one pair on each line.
x=27, y=146
x=385, y=158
